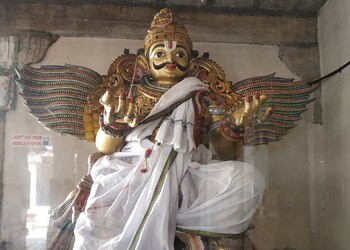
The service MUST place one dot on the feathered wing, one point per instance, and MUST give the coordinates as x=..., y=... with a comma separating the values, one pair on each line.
x=287, y=97
x=57, y=97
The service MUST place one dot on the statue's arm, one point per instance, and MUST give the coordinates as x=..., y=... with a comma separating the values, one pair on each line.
x=108, y=144
x=115, y=122
x=230, y=126
x=225, y=149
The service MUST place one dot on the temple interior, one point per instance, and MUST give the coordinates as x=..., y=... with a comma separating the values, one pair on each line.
x=306, y=204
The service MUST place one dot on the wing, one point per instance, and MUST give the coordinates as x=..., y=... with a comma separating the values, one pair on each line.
x=57, y=97
x=287, y=97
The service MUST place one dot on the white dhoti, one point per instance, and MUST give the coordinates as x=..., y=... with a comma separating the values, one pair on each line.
x=182, y=188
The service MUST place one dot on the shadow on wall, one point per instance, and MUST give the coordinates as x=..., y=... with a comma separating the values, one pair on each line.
x=4, y=245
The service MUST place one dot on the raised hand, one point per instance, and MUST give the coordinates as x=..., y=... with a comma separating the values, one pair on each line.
x=251, y=113
x=118, y=108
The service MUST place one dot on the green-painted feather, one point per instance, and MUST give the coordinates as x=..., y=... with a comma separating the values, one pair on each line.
x=56, y=95
x=287, y=97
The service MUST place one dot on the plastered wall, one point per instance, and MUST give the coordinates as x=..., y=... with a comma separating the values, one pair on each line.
x=331, y=230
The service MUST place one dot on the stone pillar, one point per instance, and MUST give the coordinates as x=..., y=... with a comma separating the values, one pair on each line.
x=15, y=50
x=8, y=49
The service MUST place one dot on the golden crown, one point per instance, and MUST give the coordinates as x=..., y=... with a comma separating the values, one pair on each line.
x=167, y=26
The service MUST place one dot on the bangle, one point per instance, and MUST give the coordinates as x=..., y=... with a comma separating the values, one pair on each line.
x=115, y=129
x=230, y=129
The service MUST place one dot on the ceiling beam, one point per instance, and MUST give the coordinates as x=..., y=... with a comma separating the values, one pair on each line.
x=115, y=21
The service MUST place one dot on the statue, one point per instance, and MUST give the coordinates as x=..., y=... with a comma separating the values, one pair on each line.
x=170, y=125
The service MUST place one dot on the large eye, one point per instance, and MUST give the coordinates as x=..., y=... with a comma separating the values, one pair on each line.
x=180, y=54
x=159, y=54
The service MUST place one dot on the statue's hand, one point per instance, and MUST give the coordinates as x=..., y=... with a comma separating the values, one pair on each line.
x=250, y=112
x=118, y=109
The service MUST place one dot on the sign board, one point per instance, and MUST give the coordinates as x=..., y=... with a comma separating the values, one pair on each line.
x=19, y=140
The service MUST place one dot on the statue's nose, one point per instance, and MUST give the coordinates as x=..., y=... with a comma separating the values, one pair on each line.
x=170, y=57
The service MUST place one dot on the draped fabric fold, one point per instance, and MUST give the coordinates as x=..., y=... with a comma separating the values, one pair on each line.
x=130, y=209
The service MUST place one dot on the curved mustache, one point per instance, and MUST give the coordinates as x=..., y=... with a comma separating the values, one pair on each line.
x=162, y=65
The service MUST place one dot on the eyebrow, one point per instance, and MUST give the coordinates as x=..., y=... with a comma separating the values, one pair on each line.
x=177, y=46
x=159, y=45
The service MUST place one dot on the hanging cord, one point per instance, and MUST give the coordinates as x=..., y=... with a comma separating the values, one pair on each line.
x=330, y=74
x=133, y=77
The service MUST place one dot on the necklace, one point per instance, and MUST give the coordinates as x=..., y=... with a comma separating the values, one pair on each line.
x=150, y=89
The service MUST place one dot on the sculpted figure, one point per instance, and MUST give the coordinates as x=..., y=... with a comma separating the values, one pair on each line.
x=170, y=126
x=164, y=177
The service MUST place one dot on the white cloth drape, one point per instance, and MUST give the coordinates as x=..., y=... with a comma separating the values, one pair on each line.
x=196, y=194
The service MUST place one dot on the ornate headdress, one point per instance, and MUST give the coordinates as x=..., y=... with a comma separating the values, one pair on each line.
x=167, y=26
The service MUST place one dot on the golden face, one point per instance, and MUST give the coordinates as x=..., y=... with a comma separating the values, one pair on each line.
x=168, y=62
